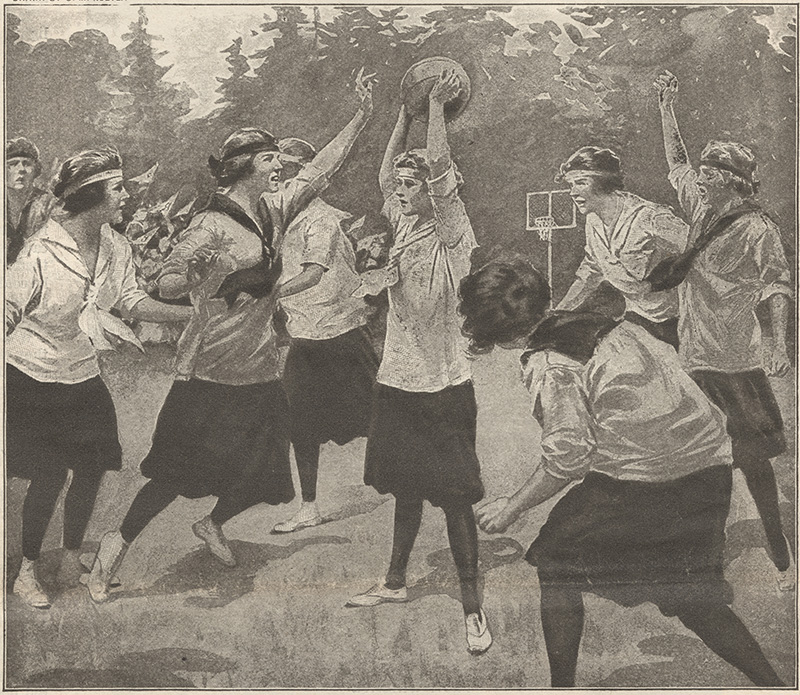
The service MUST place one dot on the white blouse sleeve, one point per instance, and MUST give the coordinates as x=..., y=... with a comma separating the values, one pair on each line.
x=567, y=437
x=23, y=287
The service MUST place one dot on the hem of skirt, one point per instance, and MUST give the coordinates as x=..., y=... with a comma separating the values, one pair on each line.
x=436, y=498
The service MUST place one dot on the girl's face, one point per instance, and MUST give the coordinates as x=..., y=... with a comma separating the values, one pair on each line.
x=713, y=189
x=583, y=191
x=412, y=193
x=114, y=200
x=20, y=173
x=267, y=168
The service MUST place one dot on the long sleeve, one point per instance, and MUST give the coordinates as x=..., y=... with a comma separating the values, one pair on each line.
x=567, y=437
x=23, y=286
x=770, y=259
x=587, y=278
x=130, y=294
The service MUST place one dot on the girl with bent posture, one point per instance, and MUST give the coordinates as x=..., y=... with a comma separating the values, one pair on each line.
x=646, y=522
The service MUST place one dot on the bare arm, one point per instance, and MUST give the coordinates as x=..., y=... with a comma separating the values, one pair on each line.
x=779, y=363
x=309, y=277
x=396, y=145
x=497, y=516
x=148, y=309
x=674, y=147
x=332, y=156
x=445, y=89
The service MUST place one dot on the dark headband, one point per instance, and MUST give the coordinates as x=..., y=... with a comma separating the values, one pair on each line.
x=718, y=164
x=252, y=148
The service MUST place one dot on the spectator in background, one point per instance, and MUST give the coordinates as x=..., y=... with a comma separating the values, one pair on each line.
x=27, y=206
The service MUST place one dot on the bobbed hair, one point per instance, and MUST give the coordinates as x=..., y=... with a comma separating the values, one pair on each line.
x=501, y=302
x=603, y=164
x=235, y=160
x=79, y=168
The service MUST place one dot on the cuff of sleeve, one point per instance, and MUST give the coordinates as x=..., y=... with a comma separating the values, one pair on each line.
x=678, y=171
x=555, y=471
x=129, y=303
x=776, y=288
x=444, y=185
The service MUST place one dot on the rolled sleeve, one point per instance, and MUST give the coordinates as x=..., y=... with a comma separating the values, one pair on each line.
x=773, y=270
x=452, y=222
x=320, y=242
x=567, y=438
x=684, y=180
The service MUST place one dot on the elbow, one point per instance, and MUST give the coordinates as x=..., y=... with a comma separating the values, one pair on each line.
x=172, y=286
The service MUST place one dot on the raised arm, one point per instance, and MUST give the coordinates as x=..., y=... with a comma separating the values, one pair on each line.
x=332, y=156
x=446, y=88
x=397, y=144
x=667, y=86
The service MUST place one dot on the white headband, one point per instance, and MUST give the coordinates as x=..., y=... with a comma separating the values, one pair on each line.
x=94, y=178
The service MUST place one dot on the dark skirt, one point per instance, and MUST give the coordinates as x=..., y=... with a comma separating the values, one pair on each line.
x=53, y=425
x=423, y=445
x=210, y=436
x=754, y=420
x=633, y=542
x=329, y=385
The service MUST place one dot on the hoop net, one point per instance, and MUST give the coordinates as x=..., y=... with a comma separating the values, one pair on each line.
x=544, y=226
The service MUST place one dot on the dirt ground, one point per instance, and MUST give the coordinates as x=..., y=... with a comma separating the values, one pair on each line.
x=277, y=620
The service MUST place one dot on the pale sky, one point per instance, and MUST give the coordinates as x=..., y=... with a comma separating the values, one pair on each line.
x=195, y=35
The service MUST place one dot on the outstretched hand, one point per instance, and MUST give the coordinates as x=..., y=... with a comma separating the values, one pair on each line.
x=667, y=86
x=494, y=517
x=447, y=87
x=364, y=84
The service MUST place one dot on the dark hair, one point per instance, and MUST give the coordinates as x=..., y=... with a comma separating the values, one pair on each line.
x=80, y=167
x=416, y=160
x=737, y=164
x=235, y=160
x=604, y=164
x=501, y=302
x=21, y=147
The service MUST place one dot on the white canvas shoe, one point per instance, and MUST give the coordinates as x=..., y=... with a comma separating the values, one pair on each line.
x=787, y=579
x=308, y=515
x=27, y=587
x=378, y=594
x=479, y=639
x=108, y=559
x=209, y=531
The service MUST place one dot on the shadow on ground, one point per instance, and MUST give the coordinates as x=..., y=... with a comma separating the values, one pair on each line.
x=687, y=664
x=444, y=579
x=158, y=668
x=213, y=585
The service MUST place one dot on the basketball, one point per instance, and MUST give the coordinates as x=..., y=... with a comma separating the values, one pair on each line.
x=418, y=81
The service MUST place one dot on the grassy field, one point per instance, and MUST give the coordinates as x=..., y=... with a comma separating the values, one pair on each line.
x=278, y=621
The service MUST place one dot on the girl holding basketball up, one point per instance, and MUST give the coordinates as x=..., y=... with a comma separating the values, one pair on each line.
x=421, y=443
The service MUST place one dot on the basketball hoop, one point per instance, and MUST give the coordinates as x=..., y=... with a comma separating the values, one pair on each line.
x=544, y=226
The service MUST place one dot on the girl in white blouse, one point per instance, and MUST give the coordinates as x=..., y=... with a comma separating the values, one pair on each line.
x=617, y=412
x=59, y=293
